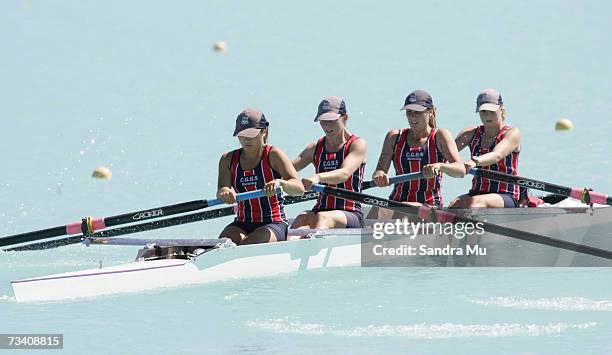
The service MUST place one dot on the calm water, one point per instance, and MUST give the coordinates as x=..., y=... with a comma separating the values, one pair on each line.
x=136, y=86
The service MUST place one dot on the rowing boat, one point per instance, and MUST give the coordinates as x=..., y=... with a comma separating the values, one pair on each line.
x=176, y=262
x=169, y=265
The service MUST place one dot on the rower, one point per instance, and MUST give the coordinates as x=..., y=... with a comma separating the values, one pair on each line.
x=256, y=165
x=494, y=146
x=422, y=147
x=339, y=158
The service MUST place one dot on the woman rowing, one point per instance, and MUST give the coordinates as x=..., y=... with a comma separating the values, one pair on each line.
x=339, y=159
x=255, y=166
x=495, y=146
x=423, y=147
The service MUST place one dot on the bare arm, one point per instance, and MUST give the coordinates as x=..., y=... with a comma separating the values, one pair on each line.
x=290, y=181
x=384, y=160
x=465, y=137
x=509, y=143
x=224, y=181
x=448, y=148
x=352, y=162
x=305, y=157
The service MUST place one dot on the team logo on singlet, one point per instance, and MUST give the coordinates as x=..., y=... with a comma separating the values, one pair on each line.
x=330, y=162
x=414, y=155
x=249, y=178
x=330, y=165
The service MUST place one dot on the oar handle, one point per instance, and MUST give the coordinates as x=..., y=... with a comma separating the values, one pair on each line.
x=394, y=180
x=367, y=184
x=318, y=188
x=406, y=177
x=243, y=196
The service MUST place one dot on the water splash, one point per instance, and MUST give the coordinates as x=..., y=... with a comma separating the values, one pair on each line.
x=548, y=304
x=418, y=331
x=7, y=298
x=230, y=296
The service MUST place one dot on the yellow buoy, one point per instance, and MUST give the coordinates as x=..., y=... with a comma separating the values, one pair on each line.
x=102, y=172
x=564, y=125
x=220, y=46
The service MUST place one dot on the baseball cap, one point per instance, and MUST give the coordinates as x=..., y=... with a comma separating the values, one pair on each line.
x=249, y=122
x=489, y=100
x=418, y=100
x=331, y=108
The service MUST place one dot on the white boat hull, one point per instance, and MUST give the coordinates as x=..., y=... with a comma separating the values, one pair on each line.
x=219, y=264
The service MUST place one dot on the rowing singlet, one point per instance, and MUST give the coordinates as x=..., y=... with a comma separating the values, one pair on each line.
x=260, y=210
x=324, y=162
x=508, y=165
x=411, y=160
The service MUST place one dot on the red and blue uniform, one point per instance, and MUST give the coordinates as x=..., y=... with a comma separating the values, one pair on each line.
x=508, y=165
x=260, y=210
x=325, y=161
x=411, y=160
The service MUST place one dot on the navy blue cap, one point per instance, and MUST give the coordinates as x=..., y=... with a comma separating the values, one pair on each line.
x=331, y=108
x=418, y=100
x=249, y=122
x=489, y=100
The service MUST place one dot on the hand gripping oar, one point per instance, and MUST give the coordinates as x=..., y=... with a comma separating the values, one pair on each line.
x=89, y=225
x=436, y=215
x=188, y=218
x=583, y=194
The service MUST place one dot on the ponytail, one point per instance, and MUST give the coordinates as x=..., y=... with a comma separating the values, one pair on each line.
x=432, y=118
x=266, y=133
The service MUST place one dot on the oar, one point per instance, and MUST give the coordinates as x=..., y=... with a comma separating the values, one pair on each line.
x=433, y=214
x=582, y=194
x=88, y=225
x=189, y=218
x=151, y=225
x=394, y=180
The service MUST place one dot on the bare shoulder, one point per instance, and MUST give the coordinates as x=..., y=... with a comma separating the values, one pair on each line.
x=358, y=144
x=468, y=130
x=465, y=136
x=225, y=162
x=277, y=154
x=513, y=135
x=392, y=134
x=444, y=136
x=226, y=157
x=514, y=131
x=443, y=133
x=310, y=147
